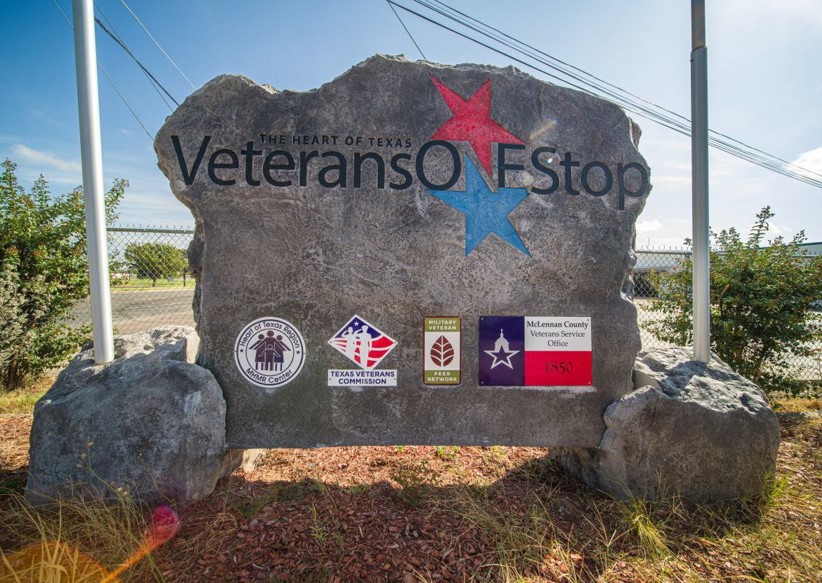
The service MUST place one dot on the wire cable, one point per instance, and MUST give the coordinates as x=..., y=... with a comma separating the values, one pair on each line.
x=593, y=85
x=154, y=40
x=411, y=36
x=150, y=82
x=109, y=79
x=621, y=90
x=135, y=59
x=746, y=152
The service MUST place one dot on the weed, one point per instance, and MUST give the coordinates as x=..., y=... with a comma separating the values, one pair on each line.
x=359, y=488
x=446, y=452
x=649, y=536
x=22, y=400
x=317, y=528
x=50, y=561
x=12, y=485
x=252, y=508
x=64, y=536
x=320, y=528
x=540, y=470
x=775, y=491
x=279, y=492
x=797, y=405
x=417, y=482
x=296, y=491
x=525, y=540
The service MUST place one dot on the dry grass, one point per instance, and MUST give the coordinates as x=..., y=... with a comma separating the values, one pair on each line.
x=556, y=531
x=797, y=405
x=468, y=514
x=594, y=538
x=22, y=400
x=69, y=541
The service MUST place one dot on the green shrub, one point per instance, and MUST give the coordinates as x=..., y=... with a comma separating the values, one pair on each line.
x=155, y=260
x=43, y=272
x=761, y=300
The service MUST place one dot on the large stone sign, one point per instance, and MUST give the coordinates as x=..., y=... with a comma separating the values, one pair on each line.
x=412, y=253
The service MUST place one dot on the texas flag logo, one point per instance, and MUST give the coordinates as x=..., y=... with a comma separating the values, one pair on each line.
x=362, y=343
x=535, y=351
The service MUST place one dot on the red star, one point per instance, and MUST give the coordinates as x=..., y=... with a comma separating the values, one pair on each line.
x=471, y=122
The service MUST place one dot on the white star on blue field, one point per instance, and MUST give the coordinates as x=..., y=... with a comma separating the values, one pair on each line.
x=485, y=211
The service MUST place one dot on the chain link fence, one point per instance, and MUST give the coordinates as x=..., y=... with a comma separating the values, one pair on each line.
x=150, y=282
x=151, y=286
x=649, y=261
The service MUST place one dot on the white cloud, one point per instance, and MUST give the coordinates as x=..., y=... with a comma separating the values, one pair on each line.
x=669, y=179
x=779, y=230
x=648, y=226
x=810, y=162
x=45, y=159
x=781, y=18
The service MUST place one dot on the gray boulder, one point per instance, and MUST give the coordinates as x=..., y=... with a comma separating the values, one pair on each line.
x=699, y=431
x=151, y=422
x=347, y=201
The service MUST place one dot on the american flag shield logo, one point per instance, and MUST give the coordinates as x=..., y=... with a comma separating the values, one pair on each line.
x=362, y=343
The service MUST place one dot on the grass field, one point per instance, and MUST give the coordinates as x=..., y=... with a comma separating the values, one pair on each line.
x=143, y=284
x=432, y=514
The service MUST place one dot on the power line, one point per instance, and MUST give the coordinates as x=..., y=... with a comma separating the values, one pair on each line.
x=152, y=78
x=588, y=83
x=682, y=124
x=154, y=40
x=109, y=79
x=655, y=106
x=411, y=36
x=135, y=59
x=153, y=86
x=121, y=96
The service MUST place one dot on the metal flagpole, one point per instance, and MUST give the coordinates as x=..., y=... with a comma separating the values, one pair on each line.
x=699, y=174
x=85, y=54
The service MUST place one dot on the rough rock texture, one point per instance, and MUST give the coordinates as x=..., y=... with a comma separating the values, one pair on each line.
x=151, y=422
x=275, y=240
x=702, y=432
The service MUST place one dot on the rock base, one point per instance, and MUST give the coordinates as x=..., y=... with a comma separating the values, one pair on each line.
x=698, y=431
x=150, y=423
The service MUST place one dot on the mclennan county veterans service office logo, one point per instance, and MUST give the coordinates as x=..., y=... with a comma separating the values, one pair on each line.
x=270, y=352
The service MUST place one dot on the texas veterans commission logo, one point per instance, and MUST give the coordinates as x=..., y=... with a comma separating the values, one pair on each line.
x=493, y=188
x=269, y=352
x=362, y=343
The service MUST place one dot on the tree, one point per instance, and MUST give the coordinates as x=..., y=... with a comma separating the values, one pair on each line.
x=761, y=300
x=155, y=260
x=43, y=272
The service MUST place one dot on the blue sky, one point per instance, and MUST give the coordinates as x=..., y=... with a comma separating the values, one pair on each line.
x=765, y=84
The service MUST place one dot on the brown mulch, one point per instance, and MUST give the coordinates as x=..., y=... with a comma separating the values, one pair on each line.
x=352, y=514
x=342, y=514
x=334, y=514
x=14, y=449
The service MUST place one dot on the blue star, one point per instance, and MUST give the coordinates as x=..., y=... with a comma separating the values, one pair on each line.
x=485, y=211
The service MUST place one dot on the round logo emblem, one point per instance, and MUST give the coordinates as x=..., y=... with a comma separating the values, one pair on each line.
x=270, y=352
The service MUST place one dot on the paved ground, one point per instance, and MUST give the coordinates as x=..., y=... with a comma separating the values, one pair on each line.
x=142, y=310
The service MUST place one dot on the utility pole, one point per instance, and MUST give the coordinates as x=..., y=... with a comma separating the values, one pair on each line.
x=699, y=176
x=85, y=54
